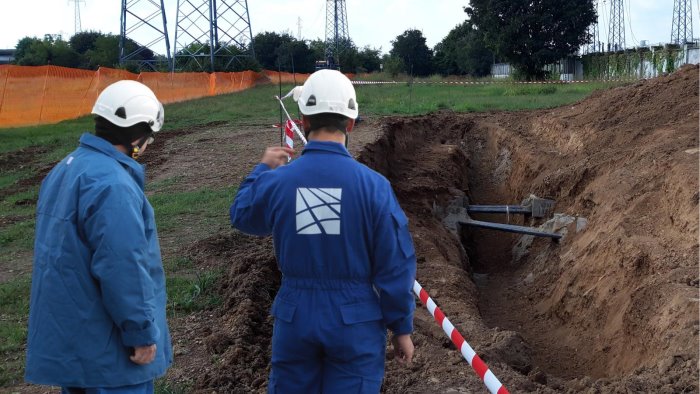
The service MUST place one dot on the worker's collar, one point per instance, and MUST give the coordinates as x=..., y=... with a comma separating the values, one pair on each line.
x=326, y=146
x=103, y=146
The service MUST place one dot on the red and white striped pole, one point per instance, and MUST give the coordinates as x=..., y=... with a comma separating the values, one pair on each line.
x=491, y=381
x=292, y=124
x=289, y=134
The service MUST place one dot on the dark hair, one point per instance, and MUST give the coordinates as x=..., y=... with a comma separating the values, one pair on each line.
x=120, y=135
x=328, y=121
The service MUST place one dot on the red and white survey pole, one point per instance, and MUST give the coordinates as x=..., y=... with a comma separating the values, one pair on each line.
x=481, y=369
x=291, y=126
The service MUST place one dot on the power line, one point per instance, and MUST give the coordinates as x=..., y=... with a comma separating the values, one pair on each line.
x=317, y=19
x=606, y=23
x=629, y=22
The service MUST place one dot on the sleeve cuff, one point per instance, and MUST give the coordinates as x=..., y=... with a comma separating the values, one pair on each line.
x=403, y=326
x=260, y=168
x=143, y=337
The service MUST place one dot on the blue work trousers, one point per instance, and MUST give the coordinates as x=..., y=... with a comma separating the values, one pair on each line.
x=143, y=388
x=329, y=337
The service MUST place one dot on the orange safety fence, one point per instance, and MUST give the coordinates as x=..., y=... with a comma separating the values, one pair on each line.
x=50, y=94
x=285, y=77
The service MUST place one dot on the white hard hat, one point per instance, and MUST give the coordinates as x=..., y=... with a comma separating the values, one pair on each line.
x=328, y=91
x=126, y=103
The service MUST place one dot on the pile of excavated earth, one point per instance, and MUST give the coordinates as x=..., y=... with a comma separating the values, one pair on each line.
x=612, y=307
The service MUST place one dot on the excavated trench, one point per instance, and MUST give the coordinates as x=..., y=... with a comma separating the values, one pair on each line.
x=432, y=162
x=545, y=315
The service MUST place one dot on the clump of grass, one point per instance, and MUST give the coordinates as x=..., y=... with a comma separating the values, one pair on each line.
x=188, y=294
x=162, y=386
x=528, y=90
x=178, y=264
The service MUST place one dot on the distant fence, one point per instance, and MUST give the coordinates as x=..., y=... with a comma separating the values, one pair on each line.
x=50, y=94
x=637, y=63
x=645, y=62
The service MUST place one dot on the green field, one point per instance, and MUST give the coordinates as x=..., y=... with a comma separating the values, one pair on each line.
x=37, y=148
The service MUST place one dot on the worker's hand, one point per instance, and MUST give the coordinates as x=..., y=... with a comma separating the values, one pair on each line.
x=276, y=156
x=144, y=354
x=403, y=348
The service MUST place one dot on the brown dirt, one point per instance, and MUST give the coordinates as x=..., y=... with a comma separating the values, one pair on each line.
x=613, y=308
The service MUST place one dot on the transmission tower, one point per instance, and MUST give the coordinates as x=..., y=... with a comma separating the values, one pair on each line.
x=141, y=22
x=682, y=26
x=337, y=36
x=594, y=43
x=616, y=34
x=211, y=30
x=76, y=17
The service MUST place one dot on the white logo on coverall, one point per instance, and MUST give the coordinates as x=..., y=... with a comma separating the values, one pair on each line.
x=318, y=211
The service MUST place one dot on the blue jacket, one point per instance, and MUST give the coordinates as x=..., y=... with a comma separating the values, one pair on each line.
x=98, y=287
x=333, y=219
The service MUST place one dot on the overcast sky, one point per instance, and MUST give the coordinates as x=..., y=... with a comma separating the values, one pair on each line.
x=371, y=22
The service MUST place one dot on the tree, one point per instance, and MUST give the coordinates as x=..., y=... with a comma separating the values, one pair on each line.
x=266, y=45
x=463, y=51
x=83, y=41
x=63, y=55
x=318, y=47
x=296, y=56
x=369, y=60
x=530, y=34
x=392, y=65
x=32, y=51
x=411, y=48
x=104, y=52
x=348, y=57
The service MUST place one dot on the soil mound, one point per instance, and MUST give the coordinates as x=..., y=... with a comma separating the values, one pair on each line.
x=238, y=334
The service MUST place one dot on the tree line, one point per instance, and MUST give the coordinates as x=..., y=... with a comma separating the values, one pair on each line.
x=528, y=34
x=461, y=53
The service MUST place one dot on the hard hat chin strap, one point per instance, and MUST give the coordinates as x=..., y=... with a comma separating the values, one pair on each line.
x=136, y=149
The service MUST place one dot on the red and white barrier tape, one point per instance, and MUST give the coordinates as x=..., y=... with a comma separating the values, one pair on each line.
x=491, y=82
x=491, y=381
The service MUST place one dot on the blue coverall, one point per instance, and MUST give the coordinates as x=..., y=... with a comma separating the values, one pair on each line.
x=348, y=267
x=98, y=287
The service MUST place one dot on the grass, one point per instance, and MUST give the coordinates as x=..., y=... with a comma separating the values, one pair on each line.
x=207, y=206
x=189, y=289
x=18, y=235
x=14, y=312
x=417, y=99
x=162, y=386
x=194, y=293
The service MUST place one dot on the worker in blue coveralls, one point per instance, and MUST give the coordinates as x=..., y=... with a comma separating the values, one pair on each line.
x=343, y=247
x=97, y=311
